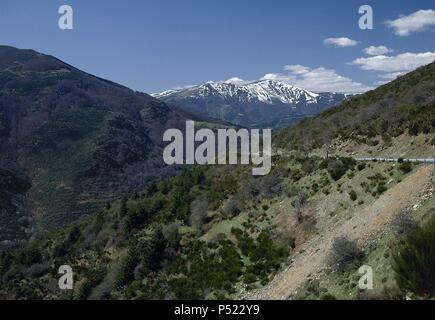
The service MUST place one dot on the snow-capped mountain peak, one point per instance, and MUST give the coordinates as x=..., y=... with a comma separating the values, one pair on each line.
x=264, y=91
x=255, y=104
x=269, y=90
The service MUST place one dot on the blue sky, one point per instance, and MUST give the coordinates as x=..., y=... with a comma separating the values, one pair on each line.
x=161, y=44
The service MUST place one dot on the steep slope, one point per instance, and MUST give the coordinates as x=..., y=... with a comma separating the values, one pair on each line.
x=365, y=226
x=259, y=104
x=80, y=140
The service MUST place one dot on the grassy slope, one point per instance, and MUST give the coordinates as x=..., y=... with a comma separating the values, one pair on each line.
x=406, y=105
x=100, y=247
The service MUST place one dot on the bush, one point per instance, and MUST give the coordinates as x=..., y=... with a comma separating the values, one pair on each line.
x=381, y=188
x=250, y=188
x=353, y=195
x=337, y=171
x=74, y=235
x=299, y=204
x=94, y=277
x=126, y=271
x=136, y=218
x=99, y=222
x=269, y=186
x=328, y=296
x=150, y=248
x=198, y=215
x=157, y=254
x=405, y=167
x=344, y=253
x=172, y=235
x=249, y=278
x=29, y=255
x=338, y=167
x=403, y=225
x=232, y=207
x=414, y=261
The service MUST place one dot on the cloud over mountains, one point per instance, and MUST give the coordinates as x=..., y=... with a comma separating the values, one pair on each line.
x=415, y=22
x=340, y=42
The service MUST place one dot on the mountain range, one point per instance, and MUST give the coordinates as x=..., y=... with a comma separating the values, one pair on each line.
x=265, y=103
x=80, y=160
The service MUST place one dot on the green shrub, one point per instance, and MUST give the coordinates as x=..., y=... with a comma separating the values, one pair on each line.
x=328, y=296
x=74, y=235
x=381, y=188
x=99, y=222
x=338, y=167
x=361, y=166
x=414, y=261
x=136, y=219
x=337, y=171
x=232, y=207
x=94, y=277
x=29, y=255
x=249, y=278
x=405, y=167
x=353, y=195
x=126, y=271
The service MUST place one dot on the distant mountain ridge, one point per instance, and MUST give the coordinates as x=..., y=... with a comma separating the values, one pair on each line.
x=256, y=104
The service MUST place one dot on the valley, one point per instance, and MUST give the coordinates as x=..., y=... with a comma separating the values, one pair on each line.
x=90, y=171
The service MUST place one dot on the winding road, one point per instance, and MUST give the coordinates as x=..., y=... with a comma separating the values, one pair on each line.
x=417, y=160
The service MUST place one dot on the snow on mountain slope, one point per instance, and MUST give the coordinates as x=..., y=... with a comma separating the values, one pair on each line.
x=267, y=91
x=257, y=104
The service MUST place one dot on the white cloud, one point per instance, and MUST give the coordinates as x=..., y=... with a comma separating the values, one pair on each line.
x=317, y=79
x=391, y=76
x=415, y=22
x=296, y=69
x=375, y=51
x=184, y=87
x=237, y=81
x=380, y=83
x=340, y=42
x=404, y=62
x=388, y=77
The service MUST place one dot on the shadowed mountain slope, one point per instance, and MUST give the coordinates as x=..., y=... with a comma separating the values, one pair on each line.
x=77, y=140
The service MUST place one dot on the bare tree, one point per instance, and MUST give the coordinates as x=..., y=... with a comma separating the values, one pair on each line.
x=344, y=252
x=403, y=224
x=299, y=204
